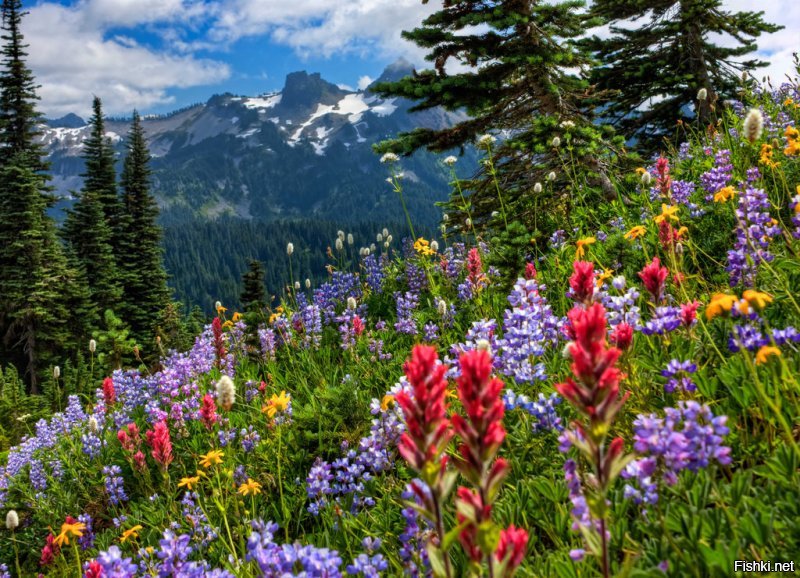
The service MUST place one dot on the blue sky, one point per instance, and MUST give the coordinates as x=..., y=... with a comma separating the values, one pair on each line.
x=159, y=55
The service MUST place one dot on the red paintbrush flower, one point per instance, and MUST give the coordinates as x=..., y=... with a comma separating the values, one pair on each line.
x=654, y=277
x=49, y=551
x=472, y=510
x=689, y=313
x=482, y=432
x=95, y=570
x=219, y=344
x=208, y=411
x=530, y=271
x=427, y=427
x=109, y=395
x=158, y=439
x=474, y=266
x=358, y=326
x=513, y=543
x=582, y=282
x=664, y=180
x=622, y=336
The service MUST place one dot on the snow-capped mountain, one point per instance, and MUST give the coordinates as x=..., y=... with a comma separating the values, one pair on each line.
x=304, y=151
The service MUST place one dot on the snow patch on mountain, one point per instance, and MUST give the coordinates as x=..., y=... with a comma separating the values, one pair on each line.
x=261, y=103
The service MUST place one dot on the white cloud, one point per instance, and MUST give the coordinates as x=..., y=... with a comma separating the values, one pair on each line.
x=364, y=82
x=326, y=27
x=73, y=58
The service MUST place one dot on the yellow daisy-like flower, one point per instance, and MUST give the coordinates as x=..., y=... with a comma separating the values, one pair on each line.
x=766, y=352
x=250, y=488
x=277, y=403
x=212, y=458
x=582, y=244
x=667, y=213
x=228, y=324
x=720, y=304
x=791, y=133
x=640, y=171
x=130, y=533
x=221, y=310
x=636, y=232
x=189, y=483
x=76, y=529
x=422, y=247
x=387, y=401
x=724, y=195
x=757, y=299
x=606, y=274
x=236, y=316
x=765, y=157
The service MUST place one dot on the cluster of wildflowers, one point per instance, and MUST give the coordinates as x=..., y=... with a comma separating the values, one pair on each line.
x=689, y=437
x=406, y=305
x=621, y=308
x=754, y=232
x=719, y=176
x=678, y=374
x=543, y=410
x=114, y=485
x=275, y=559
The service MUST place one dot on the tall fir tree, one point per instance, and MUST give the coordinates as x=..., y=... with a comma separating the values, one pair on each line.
x=141, y=259
x=100, y=175
x=36, y=285
x=661, y=53
x=515, y=62
x=254, y=294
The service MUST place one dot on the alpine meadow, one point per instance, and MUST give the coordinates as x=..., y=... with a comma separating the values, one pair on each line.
x=526, y=304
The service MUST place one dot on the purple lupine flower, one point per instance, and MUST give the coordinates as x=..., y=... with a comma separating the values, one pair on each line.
x=4, y=573
x=558, y=239
x=689, y=437
x=665, y=320
x=430, y=332
x=678, y=373
x=581, y=516
x=266, y=338
x=719, y=176
x=87, y=540
x=37, y=475
x=226, y=437
x=406, y=304
x=747, y=336
x=416, y=277
x=249, y=438
x=376, y=348
x=114, y=485
x=787, y=335
x=621, y=308
x=375, y=272
x=543, y=410
x=368, y=564
x=202, y=531
x=115, y=566
x=681, y=191
x=529, y=327
x=413, y=553
x=754, y=232
x=795, y=207
x=617, y=223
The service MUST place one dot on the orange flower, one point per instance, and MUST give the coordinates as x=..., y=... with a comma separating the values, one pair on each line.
x=582, y=244
x=757, y=299
x=69, y=529
x=724, y=194
x=720, y=304
x=130, y=533
x=765, y=353
x=636, y=232
x=386, y=401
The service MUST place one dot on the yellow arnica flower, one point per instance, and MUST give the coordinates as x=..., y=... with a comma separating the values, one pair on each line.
x=757, y=299
x=791, y=133
x=640, y=171
x=582, y=244
x=221, y=310
x=765, y=158
x=720, y=304
x=387, y=401
x=724, y=194
x=277, y=403
x=228, y=324
x=606, y=274
x=211, y=458
x=667, y=213
x=636, y=232
x=250, y=488
x=236, y=316
x=189, y=483
x=68, y=530
x=130, y=533
x=766, y=352
x=422, y=247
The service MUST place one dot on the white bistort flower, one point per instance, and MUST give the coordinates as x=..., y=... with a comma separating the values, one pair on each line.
x=226, y=392
x=753, y=125
x=389, y=158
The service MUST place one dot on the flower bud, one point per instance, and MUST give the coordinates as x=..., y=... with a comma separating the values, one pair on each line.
x=551, y=176
x=289, y=249
x=468, y=222
x=297, y=285
x=386, y=245
x=435, y=246
x=537, y=188
x=218, y=304
x=753, y=125
x=389, y=239
x=350, y=239
x=702, y=94
x=351, y=303
x=340, y=235
x=93, y=425
x=379, y=238
x=12, y=519
x=647, y=178
x=56, y=372
x=556, y=142
x=92, y=345
x=385, y=232
x=339, y=245
x=441, y=307
x=308, y=283
x=566, y=353
x=226, y=392
x=484, y=345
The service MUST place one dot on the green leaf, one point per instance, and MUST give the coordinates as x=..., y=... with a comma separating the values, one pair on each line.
x=488, y=537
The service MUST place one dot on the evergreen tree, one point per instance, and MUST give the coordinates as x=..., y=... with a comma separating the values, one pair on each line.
x=100, y=176
x=36, y=285
x=518, y=56
x=656, y=68
x=254, y=294
x=89, y=240
x=142, y=269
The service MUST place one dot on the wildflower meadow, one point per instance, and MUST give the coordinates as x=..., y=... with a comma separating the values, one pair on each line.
x=624, y=403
